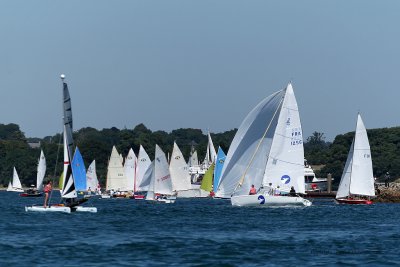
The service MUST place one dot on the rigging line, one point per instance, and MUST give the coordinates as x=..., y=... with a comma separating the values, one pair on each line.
x=257, y=148
x=55, y=167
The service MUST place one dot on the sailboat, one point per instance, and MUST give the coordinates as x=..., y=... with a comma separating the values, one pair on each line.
x=143, y=163
x=207, y=182
x=267, y=152
x=92, y=183
x=357, y=182
x=41, y=171
x=179, y=171
x=160, y=188
x=15, y=184
x=116, y=181
x=68, y=192
x=130, y=170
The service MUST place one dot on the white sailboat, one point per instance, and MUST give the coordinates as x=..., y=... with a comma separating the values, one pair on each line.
x=130, y=170
x=15, y=184
x=116, y=180
x=92, y=182
x=68, y=192
x=160, y=188
x=179, y=171
x=357, y=182
x=267, y=152
x=41, y=171
x=143, y=163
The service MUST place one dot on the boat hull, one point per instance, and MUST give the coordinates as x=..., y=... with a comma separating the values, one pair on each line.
x=62, y=209
x=31, y=195
x=16, y=190
x=84, y=209
x=353, y=201
x=269, y=201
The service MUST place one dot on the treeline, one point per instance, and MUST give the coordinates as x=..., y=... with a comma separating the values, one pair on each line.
x=97, y=144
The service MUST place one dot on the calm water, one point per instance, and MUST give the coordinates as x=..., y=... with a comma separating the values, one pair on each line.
x=199, y=232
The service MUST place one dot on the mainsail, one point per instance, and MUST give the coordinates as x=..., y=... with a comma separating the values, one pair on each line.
x=162, y=177
x=68, y=188
x=130, y=170
x=92, y=182
x=16, y=183
x=67, y=112
x=179, y=171
x=115, y=172
x=41, y=171
x=79, y=171
x=206, y=184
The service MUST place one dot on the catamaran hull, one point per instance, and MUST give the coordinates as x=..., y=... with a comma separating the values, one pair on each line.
x=353, y=201
x=84, y=209
x=269, y=201
x=48, y=209
x=15, y=190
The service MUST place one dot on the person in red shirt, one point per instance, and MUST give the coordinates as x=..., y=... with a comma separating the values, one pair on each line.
x=253, y=190
x=47, y=190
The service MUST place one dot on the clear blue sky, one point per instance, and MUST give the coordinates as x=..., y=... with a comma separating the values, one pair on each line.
x=198, y=64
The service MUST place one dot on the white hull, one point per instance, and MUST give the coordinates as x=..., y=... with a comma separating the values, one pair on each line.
x=15, y=190
x=48, y=209
x=268, y=201
x=191, y=193
x=84, y=209
x=105, y=196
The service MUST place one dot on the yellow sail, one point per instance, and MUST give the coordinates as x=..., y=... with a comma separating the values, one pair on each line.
x=206, y=184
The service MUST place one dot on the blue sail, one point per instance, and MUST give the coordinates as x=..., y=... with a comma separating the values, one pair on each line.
x=219, y=163
x=79, y=171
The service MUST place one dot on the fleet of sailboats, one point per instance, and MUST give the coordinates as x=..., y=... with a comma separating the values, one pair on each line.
x=265, y=163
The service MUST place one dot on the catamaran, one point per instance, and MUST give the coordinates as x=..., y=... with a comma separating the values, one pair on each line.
x=267, y=152
x=68, y=192
x=357, y=182
x=15, y=185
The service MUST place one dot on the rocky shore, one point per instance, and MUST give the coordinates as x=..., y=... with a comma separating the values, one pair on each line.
x=389, y=194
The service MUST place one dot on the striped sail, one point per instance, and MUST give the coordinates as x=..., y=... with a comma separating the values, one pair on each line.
x=67, y=112
x=68, y=188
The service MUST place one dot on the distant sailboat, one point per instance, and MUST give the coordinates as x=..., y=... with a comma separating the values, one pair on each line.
x=79, y=171
x=116, y=180
x=160, y=188
x=41, y=171
x=267, y=148
x=179, y=171
x=92, y=183
x=15, y=184
x=130, y=170
x=143, y=163
x=357, y=182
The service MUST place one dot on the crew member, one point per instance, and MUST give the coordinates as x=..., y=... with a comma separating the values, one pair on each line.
x=253, y=190
x=47, y=190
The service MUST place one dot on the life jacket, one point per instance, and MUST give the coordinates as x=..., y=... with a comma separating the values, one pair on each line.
x=253, y=191
x=47, y=188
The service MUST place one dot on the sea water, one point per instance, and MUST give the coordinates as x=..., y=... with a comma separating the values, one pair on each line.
x=198, y=232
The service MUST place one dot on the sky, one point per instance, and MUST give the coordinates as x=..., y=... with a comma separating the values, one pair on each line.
x=198, y=64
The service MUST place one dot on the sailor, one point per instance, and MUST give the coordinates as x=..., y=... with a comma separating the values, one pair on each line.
x=292, y=192
x=253, y=190
x=47, y=190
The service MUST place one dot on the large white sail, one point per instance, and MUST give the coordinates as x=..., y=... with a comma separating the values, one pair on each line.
x=91, y=177
x=162, y=181
x=179, y=171
x=16, y=183
x=115, y=172
x=285, y=164
x=193, y=160
x=148, y=181
x=68, y=188
x=213, y=154
x=357, y=177
x=247, y=156
x=130, y=170
x=143, y=163
x=41, y=171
